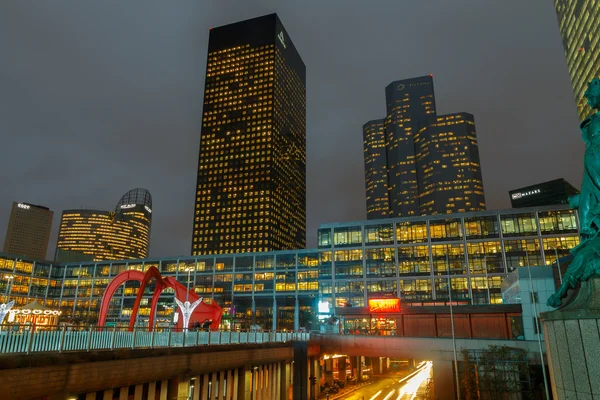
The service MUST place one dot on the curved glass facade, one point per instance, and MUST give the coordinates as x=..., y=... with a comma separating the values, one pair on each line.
x=410, y=258
x=93, y=235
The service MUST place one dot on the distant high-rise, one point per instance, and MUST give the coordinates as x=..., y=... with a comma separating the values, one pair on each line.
x=579, y=26
x=418, y=163
x=251, y=187
x=96, y=235
x=28, y=230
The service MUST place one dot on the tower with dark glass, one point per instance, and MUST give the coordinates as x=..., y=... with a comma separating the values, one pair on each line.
x=578, y=22
x=419, y=163
x=251, y=187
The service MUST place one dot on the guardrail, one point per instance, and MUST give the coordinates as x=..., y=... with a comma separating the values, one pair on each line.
x=21, y=340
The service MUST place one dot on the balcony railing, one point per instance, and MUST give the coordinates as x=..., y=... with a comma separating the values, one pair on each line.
x=16, y=339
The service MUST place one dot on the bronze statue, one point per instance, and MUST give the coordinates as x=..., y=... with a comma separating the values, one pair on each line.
x=586, y=256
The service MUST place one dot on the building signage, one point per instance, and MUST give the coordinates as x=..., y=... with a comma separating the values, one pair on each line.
x=128, y=205
x=384, y=305
x=282, y=39
x=400, y=87
x=24, y=206
x=148, y=209
x=516, y=196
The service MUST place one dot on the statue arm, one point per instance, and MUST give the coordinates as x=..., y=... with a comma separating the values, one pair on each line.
x=179, y=303
x=194, y=304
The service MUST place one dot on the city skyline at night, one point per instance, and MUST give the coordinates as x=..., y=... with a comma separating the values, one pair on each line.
x=134, y=121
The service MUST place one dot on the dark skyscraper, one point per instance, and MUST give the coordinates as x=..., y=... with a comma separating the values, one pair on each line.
x=430, y=164
x=251, y=188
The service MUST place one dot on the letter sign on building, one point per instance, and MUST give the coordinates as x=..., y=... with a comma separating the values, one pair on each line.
x=384, y=305
x=281, y=39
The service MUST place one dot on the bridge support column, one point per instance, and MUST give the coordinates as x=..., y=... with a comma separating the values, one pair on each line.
x=275, y=313
x=342, y=369
x=284, y=381
x=139, y=392
x=296, y=317
x=443, y=380
x=178, y=388
x=108, y=394
x=245, y=384
x=313, y=365
x=329, y=371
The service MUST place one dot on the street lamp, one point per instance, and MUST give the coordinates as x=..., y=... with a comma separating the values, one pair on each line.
x=187, y=292
x=487, y=281
x=9, y=279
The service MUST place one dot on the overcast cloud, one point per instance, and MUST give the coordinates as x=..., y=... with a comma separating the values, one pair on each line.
x=99, y=97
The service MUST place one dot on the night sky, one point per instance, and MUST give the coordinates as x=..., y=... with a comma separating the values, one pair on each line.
x=100, y=97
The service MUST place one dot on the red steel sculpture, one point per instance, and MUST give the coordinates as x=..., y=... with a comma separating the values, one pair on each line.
x=202, y=313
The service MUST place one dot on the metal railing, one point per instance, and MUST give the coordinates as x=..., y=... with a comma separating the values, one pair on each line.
x=19, y=339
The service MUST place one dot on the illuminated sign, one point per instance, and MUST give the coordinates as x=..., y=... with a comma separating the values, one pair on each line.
x=36, y=312
x=516, y=196
x=24, y=206
x=323, y=307
x=384, y=305
x=148, y=209
x=128, y=205
x=281, y=39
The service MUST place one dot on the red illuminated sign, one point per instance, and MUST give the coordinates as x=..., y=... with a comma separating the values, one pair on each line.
x=384, y=305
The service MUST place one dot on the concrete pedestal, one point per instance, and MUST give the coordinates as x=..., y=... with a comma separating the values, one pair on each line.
x=573, y=344
x=443, y=380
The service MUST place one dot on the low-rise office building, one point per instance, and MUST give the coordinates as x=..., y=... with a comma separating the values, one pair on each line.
x=413, y=259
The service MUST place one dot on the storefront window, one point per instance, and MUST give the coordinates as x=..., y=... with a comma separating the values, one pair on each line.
x=324, y=237
x=381, y=262
x=518, y=225
x=448, y=258
x=444, y=230
x=481, y=227
x=379, y=234
x=265, y=262
x=520, y=253
x=563, y=221
x=411, y=232
x=347, y=236
x=413, y=260
x=560, y=246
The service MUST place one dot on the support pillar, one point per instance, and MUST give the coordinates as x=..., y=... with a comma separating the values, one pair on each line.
x=152, y=391
x=139, y=392
x=296, y=317
x=221, y=385
x=236, y=381
x=329, y=371
x=213, y=386
x=314, y=372
x=229, y=388
x=90, y=396
x=443, y=380
x=284, y=381
x=342, y=369
x=253, y=317
x=124, y=393
x=108, y=394
x=245, y=384
x=178, y=388
x=275, y=312
x=164, y=389
x=300, y=386
x=197, y=388
x=204, y=386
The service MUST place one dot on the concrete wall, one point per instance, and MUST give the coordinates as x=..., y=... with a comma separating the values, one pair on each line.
x=25, y=377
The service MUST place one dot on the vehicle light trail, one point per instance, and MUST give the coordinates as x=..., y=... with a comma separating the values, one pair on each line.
x=389, y=394
x=412, y=385
x=375, y=395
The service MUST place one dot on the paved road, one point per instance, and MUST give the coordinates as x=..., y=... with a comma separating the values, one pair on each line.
x=393, y=388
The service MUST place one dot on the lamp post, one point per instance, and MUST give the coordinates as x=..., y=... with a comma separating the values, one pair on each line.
x=452, y=326
x=487, y=281
x=536, y=320
x=9, y=279
x=189, y=271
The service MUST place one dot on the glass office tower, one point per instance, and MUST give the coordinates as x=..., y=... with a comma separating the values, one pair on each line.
x=579, y=24
x=251, y=187
x=417, y=162
x=95, y=235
